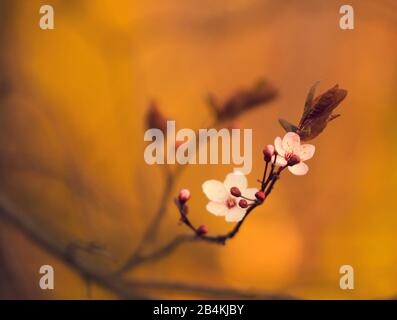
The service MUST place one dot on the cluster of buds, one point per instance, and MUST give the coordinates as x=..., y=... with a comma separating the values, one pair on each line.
x=245, y=202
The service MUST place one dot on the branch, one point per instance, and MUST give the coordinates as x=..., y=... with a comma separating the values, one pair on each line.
x=241, y=101
x=124, y=288
x=181, y=239
x=266, y=188
x=151, y=231
x=220, y=239
x=139, y=258
x=215, y=292
x=61, y=250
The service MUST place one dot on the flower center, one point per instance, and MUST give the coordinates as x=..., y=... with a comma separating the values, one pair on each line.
x=230, y=203
x=292, y=159
x=288, y=155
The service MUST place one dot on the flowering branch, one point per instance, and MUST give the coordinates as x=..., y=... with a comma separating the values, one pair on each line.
x=266, y=188
x=238, y=103
x=200, y=233
x=286, y=153
x=240, y=201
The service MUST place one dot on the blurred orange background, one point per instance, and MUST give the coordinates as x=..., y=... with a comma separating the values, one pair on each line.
x=72, y=107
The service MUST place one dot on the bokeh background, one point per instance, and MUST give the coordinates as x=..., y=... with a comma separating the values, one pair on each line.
x=72, y=107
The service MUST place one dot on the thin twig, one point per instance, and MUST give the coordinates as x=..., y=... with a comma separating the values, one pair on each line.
x=157, y=219
x=264, y=176
x=270, y=177
x=220, y=239
x=157, y=254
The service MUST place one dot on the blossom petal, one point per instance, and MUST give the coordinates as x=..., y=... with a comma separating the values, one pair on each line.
x=215, y=190
x=235, y=214
x=249, y=193
x=278, y=144
x=299, y=169
x=217, y=208
x=291, y=142
x=280, y=161
x=236, y=179
x=306, y=151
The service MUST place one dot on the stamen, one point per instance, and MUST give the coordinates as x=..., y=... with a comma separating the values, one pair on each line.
x=230, y=203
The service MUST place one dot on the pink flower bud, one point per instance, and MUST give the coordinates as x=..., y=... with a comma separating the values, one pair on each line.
x=293, y=160
x=243, y=203
x=203, y=229
x=235, y=192
x=268, y=152
x=184, y=196
x=260, y=196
